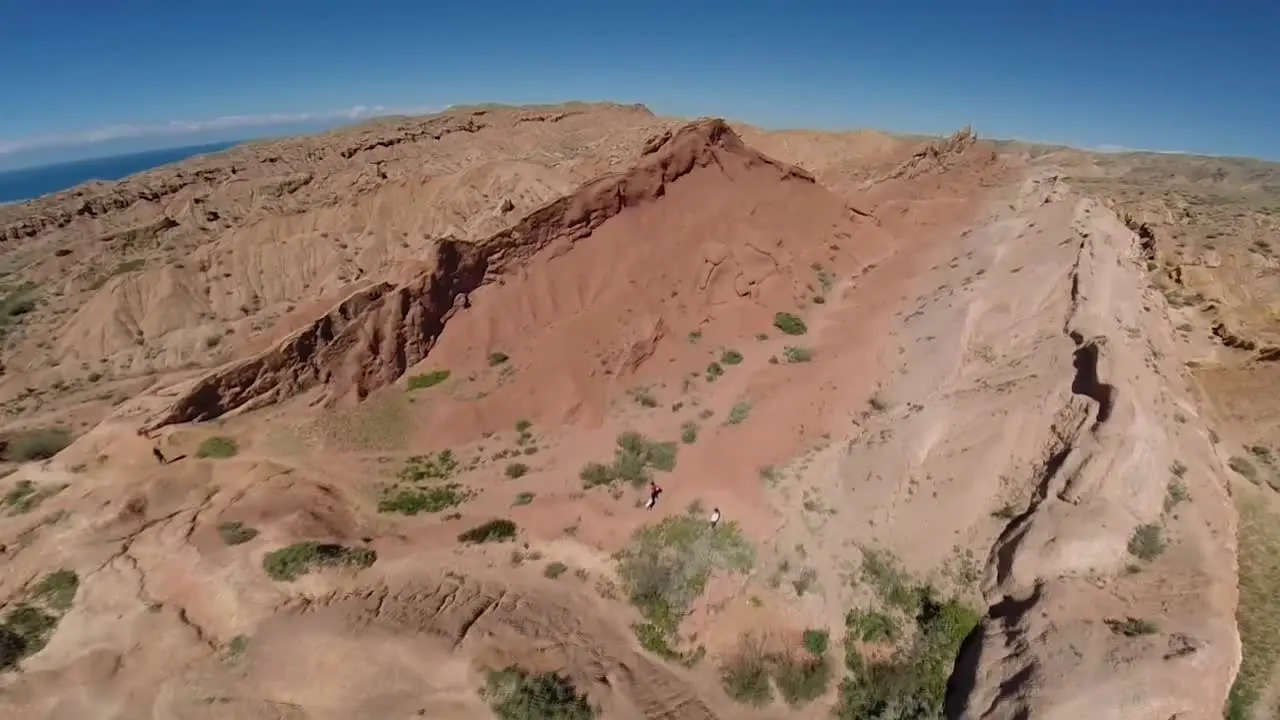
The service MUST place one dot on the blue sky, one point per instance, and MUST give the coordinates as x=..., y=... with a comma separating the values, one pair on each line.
x=1172, y=75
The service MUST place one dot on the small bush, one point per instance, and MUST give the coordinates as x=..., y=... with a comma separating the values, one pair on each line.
x=33, y=445
x=731, y=357
x=594, y=474
x=1132, y=627
x=871, y=627
x=817, y=641
x=738, y=413
x=426, y=380
x=411, y=501
x=797, y=354
x=498, y=358
x=217, y=447
x=1147, y=542
x=57, y=589
x=37, y=444
x=522, y=426
x=25, y=631
x=714, y=370
x=633, y=458
x=1244, y=468
x=746, y=677
x=516, y=470
x=801, y=678
x=26, y=496
x=293, y=561
x=1175, y=494
x=643, y=397
x=523, y=498
x=513, y=694
x=236, y=533
x=790, y=324
x=439, y=466
x=497, y=530
x=689, y=433
x=555, y=569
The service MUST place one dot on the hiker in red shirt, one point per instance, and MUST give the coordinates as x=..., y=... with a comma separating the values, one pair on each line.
x=654, y=492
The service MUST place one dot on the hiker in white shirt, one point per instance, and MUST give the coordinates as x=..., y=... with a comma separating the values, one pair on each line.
x=715, y=517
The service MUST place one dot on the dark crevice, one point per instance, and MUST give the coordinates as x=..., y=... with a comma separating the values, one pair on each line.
x=1086, y=381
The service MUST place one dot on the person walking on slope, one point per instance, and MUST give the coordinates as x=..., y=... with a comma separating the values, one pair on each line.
x=654, y=492
x=155, y=450
x=715, y=517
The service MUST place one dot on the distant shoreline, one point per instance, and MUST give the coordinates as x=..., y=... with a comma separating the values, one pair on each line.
x=32, y=183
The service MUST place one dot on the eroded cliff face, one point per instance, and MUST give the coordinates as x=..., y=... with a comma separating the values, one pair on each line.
x=1112, y=591
x=369, y=339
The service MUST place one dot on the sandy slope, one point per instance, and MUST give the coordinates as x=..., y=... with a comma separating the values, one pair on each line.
x=990, y=379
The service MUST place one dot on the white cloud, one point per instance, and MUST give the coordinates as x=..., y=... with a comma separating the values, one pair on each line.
x=184, y=127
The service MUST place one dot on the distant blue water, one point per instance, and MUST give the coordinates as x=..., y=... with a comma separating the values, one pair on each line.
x=33, y=182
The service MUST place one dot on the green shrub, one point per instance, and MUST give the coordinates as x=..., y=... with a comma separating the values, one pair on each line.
x=498, y=358
x=411, y=501
x=36, y=444
x=1147, y=542
x=1132, y=627
x=789, y=324
x=594, y=474
x=555, y=569
x=714, y=370
x=57, y=589
x=633, y=458
x=667, y=566
x=689, y=433
x=26, y=496
x=746, y=677
x=515, y=470
x=523, y=498
x=513, y=694
x=439, y=466
x=913, y=682
x=731, y=357
x=872, y=627
x=236, y=533
x=797, y=354
x=293, y=561
x=426, y=380
x=497, y=530
x=738, y=413
x=217, y=447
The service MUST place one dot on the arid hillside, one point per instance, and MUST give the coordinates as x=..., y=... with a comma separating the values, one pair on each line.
x=579, y=411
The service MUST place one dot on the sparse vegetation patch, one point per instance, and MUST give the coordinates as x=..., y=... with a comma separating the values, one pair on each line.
x=513, y=694
x=30, y=622
x=293, y=561
x=666, y=567
x=633, y=459
x=217, y=447
x=236, y=533
x=35, y=444
x=797, y=354
x=790, y=324
x=1147, y=542
x=801, y=675
x=497, y=530
x=912, y=682
x=1259, y=573
x=26, y=496
x=427, y=380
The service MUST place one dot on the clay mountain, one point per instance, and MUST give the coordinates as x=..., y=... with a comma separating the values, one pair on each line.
x=577, y=411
